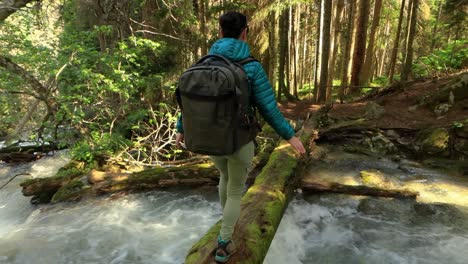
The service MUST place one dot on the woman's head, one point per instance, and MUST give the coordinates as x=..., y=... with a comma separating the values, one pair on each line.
x=232, y=24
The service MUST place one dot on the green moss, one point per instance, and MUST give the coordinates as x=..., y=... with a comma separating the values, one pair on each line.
x=281, y=164
x=71, y=191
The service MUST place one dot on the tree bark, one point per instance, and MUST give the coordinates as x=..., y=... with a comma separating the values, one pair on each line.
x=325, y=21
x=283, y=43
x=347, y=39
x=396, y=43
x=367, y=68
x=8, y=7
x=360, y=50
x=272, y=50
x=283, y=61
x=334, y=44
x=408, y=62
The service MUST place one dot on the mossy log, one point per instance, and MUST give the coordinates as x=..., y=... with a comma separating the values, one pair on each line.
x=262, y=208
x=198, y=174
x=43, y=189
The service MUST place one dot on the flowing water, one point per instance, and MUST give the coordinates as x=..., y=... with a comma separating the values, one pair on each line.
x=160, y=226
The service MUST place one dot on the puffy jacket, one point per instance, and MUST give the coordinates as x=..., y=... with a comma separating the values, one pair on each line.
x=264, y=98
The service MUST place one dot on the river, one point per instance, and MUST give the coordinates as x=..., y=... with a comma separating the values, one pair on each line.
x=160, y=226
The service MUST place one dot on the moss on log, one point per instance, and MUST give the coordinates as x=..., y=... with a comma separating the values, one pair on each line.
x=198, y=174
x=43, y=189
x=262, y=208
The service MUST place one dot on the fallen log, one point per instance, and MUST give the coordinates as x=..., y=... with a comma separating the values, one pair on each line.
x=198, y=174
x=262, y=208
x=69, y=183
x=314, y=187
x=17, y=157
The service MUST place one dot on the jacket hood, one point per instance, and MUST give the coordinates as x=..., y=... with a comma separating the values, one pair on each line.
x=231, y=48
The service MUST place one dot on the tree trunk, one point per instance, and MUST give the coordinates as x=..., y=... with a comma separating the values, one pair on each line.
x=283, y=42
x=334, y=44
x=283, y=62
x=396, y=43
x=272, y=50
x=436, y=24
x=360, y=50
x=347, y=40
x=408, y=62
x=325, y=21
x=383, y=56
x=203, y=29
x=405, y=34
x=367, y=69
x=318, y=55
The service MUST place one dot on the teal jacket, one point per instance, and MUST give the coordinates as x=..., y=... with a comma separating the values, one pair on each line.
x=264, y=98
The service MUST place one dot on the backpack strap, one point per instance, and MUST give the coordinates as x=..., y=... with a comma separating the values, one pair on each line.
x=254, y=123
x=247, y=60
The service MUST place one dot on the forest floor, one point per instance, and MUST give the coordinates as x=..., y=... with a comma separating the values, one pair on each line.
x=398, y=104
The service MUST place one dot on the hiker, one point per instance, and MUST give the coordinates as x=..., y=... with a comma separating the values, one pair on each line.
x=234, y=167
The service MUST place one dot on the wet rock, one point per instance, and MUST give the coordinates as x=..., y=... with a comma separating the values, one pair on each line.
x=455, y=90
x=441, y=109
x=439, y=213
x=461, y=129
x=412, y=108
x=377, y=179
x=461, y=145
x=392, y=134
x=381, y=144
x=374, y=110
x=434, y=141
x=424, y=209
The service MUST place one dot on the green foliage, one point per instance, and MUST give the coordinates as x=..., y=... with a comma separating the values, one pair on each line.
x=453, y=56
x=100, y=145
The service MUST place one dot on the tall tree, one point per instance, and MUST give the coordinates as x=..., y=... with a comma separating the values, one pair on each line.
x=318, y=53
x=283, y=41
x=272, y=51
x=360, y=49
x=396, y=43
x=325, y=21
x=367, y=68
x=334, y=45
x=346, y=40
x=408, y=61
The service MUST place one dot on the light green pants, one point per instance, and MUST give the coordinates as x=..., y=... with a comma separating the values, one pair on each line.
x=233, y=169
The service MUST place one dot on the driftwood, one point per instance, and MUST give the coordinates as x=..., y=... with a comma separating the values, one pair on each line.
x=262, y=208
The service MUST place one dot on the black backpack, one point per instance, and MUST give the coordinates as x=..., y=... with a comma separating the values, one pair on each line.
x=217, y=112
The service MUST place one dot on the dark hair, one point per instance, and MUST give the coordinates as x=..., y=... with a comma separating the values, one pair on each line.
x=232, y=23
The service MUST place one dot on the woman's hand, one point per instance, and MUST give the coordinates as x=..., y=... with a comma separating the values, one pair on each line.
x=179, y=139
x=296, y=143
